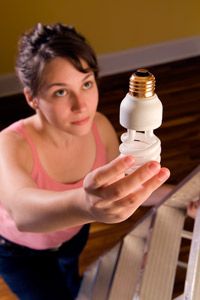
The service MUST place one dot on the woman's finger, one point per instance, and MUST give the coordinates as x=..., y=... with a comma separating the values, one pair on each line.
x=106, y=174
x=124, y=208
x=152, y=184
x=129, y=184
x=138, y=197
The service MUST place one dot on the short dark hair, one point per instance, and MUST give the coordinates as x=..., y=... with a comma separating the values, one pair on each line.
x=45, y=42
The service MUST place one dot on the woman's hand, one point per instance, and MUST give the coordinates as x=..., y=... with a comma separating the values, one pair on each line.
x=112, y=197
x=192, y=208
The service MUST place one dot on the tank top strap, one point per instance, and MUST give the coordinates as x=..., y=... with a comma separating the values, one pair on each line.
x=101, y=157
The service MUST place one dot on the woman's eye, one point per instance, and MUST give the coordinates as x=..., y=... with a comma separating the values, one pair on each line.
x=87, y=85
x=61, y=93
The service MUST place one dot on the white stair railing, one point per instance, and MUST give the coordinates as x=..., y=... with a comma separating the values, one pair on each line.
x=143, y=265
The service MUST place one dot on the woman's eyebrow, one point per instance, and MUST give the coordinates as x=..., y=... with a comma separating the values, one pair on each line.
x=62, y=84
x=56, y=84
x=88, y=75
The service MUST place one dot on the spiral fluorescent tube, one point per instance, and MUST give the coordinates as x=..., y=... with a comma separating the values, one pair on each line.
x=140, y=114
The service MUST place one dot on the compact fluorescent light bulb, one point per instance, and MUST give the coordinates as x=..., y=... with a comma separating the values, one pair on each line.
x=140, y=114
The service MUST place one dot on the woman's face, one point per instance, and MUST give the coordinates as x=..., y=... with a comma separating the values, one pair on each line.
x=67, y=98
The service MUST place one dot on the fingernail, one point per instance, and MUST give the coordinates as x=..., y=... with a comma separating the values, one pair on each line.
x=163, y=174
x=153, y=166
x=129, y=159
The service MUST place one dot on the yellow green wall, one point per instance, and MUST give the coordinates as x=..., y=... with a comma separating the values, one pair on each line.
x=109, y=25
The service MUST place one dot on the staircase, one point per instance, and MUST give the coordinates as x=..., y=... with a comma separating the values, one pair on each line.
x=143, y=265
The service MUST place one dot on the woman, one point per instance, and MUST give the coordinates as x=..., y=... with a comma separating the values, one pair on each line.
x=59, y=168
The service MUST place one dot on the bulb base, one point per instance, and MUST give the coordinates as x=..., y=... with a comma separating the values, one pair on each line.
x=142, y=84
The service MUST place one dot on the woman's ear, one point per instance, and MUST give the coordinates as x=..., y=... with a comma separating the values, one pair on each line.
x=32, y=101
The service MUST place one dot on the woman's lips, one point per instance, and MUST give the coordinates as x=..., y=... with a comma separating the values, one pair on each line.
x=81, y=122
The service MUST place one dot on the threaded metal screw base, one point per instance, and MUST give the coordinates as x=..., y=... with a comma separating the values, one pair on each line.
x=142, y=84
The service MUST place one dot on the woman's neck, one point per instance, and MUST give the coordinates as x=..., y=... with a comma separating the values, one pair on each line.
x=49, y=133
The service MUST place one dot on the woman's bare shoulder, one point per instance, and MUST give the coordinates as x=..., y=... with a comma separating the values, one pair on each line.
x=10, y=138
x=14, y=148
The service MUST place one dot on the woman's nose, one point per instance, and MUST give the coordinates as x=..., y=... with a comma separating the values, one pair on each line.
x=78, y=102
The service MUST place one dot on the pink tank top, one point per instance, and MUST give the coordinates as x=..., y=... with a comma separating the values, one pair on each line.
x=48, y=240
